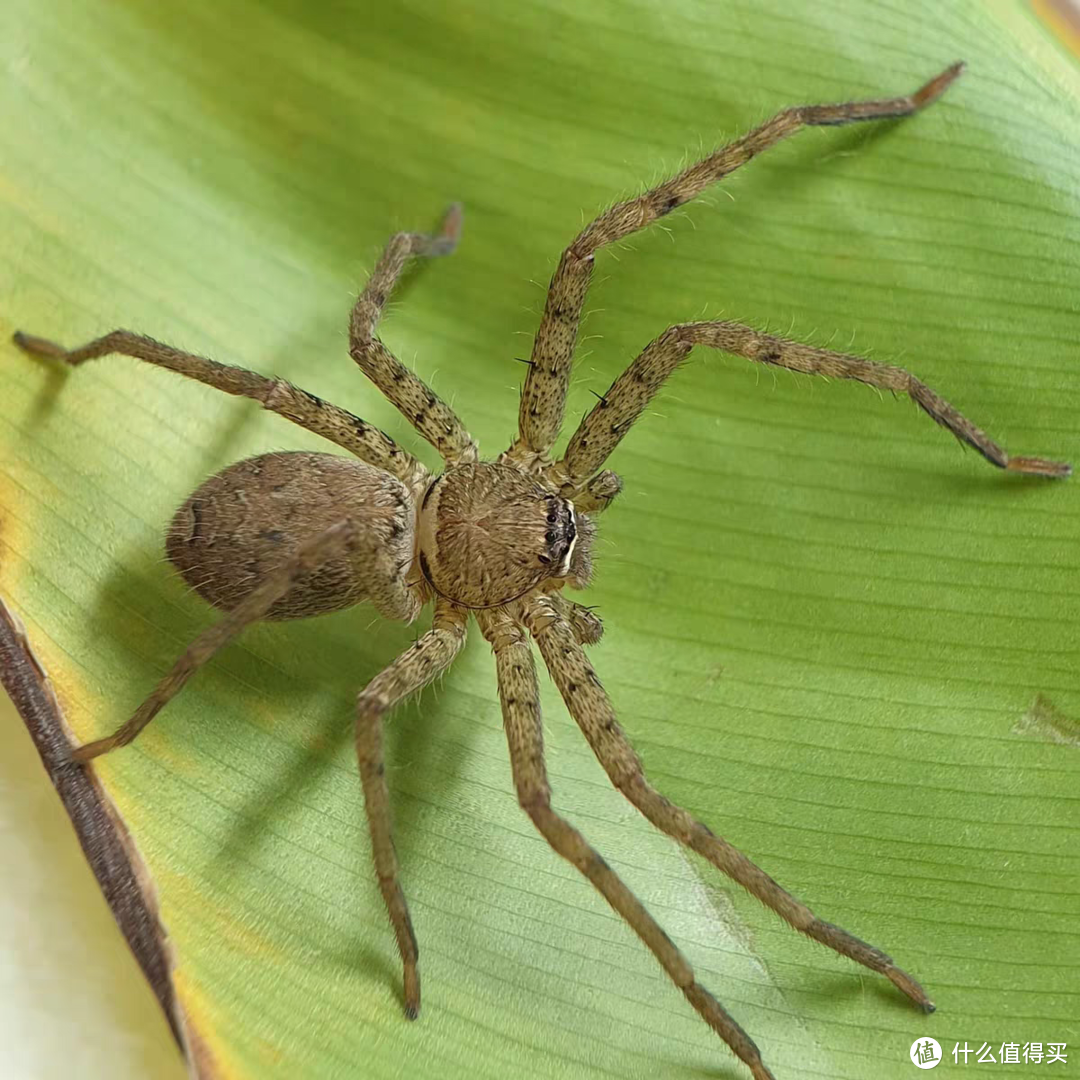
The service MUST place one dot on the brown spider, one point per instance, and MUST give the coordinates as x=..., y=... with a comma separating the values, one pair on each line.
x=286, y=535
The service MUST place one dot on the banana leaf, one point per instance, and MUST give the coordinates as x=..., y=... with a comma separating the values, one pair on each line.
x=844, y=643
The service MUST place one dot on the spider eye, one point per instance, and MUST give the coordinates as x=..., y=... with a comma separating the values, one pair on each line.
x=550, y=537
x=552, y=518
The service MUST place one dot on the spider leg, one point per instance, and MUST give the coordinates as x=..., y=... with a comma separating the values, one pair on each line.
x=519, y=695
x=253, y=607
x=590, y=707
x=331, y=422
x=585, y=623
x=424, y=409
x=410, y=672
x=604, y=427
x=599, y=493
x=544, y=395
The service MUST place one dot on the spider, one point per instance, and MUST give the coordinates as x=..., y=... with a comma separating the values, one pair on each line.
x=290, y=535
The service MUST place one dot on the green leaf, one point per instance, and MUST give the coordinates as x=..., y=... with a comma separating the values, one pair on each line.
x=845, y=644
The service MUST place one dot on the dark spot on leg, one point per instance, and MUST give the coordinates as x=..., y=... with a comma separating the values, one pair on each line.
x=596, y=862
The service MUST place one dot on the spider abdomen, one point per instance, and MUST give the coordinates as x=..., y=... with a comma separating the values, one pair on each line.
x=251, y=517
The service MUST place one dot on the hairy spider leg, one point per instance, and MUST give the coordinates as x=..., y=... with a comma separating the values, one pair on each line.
x=414, y=399
x=611, y=418
x=422, y=662
x=254, y=606
x=520, y=698
x=543, y=397
x=341, y=427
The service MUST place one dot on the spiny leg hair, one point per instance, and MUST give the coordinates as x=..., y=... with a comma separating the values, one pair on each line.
x=520, y=698
x=543, y=397
x=589, y=705
x=414, y=669
x=349, y=432
x=414, y=399
x=604, y=427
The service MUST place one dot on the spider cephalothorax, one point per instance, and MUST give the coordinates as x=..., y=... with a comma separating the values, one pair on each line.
x=285, y=535
x=489, y=533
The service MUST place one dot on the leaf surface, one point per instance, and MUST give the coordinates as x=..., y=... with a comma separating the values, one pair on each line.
x=842, y=642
